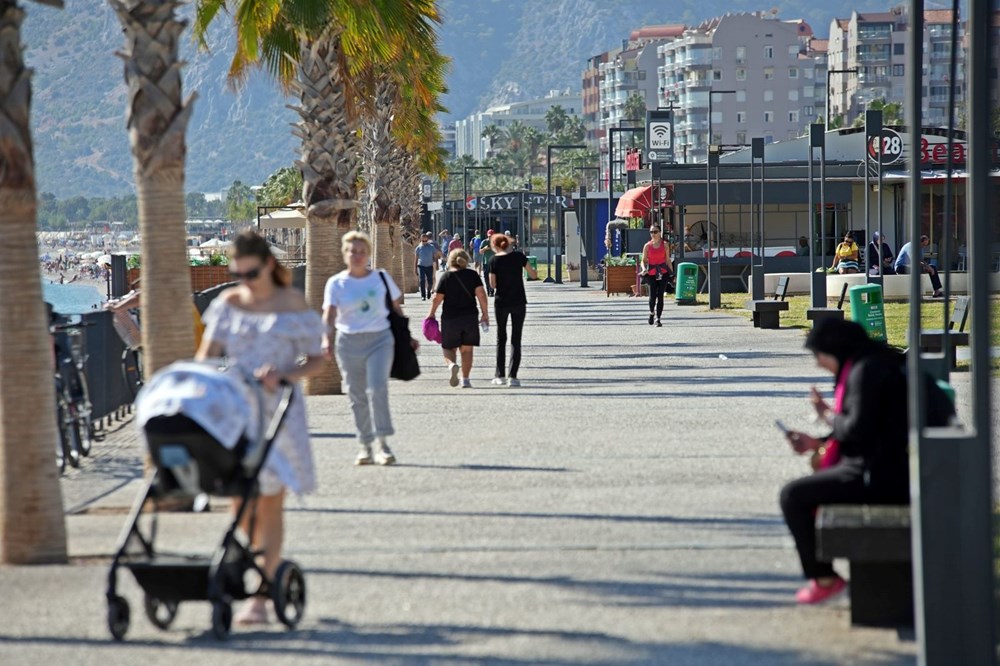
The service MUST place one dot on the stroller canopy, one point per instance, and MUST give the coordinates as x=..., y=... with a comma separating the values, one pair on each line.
x=223, y=403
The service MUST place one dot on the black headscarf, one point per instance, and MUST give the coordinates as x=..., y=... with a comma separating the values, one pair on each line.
x=845, y=341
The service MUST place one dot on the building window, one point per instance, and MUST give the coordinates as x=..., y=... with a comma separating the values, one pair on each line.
x=898, y=70
x=809, y=73
x=741, y=138
x=768, y=95
x=741, y=54
x=809, y=111
x=793, y=95
x=768, y=73
x=769, y=116
x=741, y=74
x=716, y=74
x=768, y=52
x=716, y=117
x=793, y=50
x=793, y=116
x=717, y=53
x=809, y=91
x=741, y=95
x=741, y=117
x=793, y=72
x=899, y=49
x=768, y=138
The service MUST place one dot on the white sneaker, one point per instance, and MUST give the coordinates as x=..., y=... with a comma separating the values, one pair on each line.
x=498, y=381
x=513, y=382
x=453, y=368
x=383, y=454
x=466, y=383
x=364, y=455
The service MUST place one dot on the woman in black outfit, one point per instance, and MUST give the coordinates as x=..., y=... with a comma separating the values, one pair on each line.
x=873, y=256
x=509, y=301
x=865, y=454
x=459, y=289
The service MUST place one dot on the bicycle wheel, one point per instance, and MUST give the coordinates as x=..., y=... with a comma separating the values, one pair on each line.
x=81, y=437
x=65, y=452
x=60, y=443
x=132, y=371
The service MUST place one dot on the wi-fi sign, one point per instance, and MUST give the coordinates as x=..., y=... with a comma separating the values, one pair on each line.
x=659, y=135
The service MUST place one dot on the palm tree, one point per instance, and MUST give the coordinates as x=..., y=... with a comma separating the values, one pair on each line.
x=313, y=48
x=157, y=117
x=555, y=119
x=635, y=108
x=494, y=134
x=32, y=528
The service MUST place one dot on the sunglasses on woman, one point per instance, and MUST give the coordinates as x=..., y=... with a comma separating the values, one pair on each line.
x=251, y=274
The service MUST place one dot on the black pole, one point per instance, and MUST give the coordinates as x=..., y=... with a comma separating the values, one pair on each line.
x=561, y=234
x=548, y=213
x=582, y=215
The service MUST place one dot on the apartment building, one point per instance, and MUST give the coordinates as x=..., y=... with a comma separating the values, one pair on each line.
x=469, y=132
x=757, y=73
x=593, y=76
x=875, y=45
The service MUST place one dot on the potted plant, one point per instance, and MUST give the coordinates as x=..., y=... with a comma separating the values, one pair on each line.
x=572, y=271
x=619, y=274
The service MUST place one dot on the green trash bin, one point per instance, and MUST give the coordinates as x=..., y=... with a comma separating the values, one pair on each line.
x=868, y=309
x=533, y=260
x=686, y=287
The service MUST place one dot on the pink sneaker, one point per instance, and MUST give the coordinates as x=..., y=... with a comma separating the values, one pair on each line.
x=814, y=593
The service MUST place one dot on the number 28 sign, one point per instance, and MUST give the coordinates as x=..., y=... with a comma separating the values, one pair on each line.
x=890, y=144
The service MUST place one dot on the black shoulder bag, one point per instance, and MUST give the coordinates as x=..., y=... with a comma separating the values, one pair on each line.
x=404, y=359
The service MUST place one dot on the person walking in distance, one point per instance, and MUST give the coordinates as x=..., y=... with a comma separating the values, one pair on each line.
x=459, y=289
x=425, y=261
x=486, y=254
x=656, y=270
x=506, y=277
x=354, y=304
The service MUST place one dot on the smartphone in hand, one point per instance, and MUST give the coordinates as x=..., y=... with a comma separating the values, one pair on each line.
x=781, y=426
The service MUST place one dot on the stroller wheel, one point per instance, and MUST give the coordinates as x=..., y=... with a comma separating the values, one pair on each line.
x=222, y=619
x=160, y=613
x=288, y=593
x=118, y=617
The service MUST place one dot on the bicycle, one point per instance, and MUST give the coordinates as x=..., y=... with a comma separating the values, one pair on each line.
x=73, y=407
x=128, y=330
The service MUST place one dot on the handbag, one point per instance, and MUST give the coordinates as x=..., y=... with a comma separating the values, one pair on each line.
x=404, y=358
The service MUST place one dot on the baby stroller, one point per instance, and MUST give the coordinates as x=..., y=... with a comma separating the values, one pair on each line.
x=206, y=434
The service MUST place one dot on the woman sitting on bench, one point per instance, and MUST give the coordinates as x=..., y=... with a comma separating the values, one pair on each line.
x=864, y=459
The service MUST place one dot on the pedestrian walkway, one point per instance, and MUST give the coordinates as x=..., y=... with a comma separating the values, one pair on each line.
x=619, y=507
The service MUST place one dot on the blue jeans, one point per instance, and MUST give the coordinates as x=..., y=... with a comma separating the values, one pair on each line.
x=364, y=360
x=426, y=281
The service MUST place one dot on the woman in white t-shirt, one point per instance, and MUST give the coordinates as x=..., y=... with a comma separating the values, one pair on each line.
x=354, y=304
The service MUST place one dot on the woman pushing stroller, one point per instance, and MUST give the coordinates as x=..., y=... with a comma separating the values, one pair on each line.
x=265, y=327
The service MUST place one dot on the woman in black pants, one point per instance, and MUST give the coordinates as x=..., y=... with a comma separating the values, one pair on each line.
x=864, y=459
x=655, y=265
x=509, y=301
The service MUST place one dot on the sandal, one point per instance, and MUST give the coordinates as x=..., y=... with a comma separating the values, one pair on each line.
x=253, y=611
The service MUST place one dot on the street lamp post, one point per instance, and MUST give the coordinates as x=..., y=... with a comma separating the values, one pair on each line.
x=581, y=216
x=465, y=198
x=444, y=201
x=714, y=258
x=548, y=208
x=850, y=70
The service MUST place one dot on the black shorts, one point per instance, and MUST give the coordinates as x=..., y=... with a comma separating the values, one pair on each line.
x=461, y=332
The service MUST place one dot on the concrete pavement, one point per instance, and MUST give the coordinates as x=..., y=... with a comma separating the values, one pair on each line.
x=620, y=507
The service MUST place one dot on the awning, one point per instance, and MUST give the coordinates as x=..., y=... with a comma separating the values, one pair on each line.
x=635, y=203
x=285, y=218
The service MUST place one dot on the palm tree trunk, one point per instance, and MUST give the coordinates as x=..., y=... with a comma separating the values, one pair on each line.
x=32, y=527
x=329, y=163
x=410, y=284
x=157, y=117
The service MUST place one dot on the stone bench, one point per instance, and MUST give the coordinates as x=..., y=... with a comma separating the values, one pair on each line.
x=876, y=542
x=767, y=313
